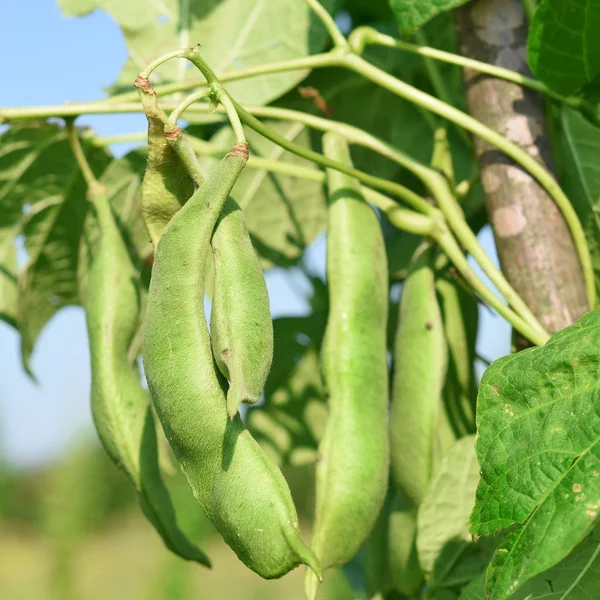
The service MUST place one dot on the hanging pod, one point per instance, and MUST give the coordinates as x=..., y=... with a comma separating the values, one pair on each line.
x=352, y=467
x=166, y=185
x=242, y=492
x=241, y=328
x=417, y=424
x=120, y=406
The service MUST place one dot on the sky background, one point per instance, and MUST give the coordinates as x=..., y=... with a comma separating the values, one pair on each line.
x=47, y=59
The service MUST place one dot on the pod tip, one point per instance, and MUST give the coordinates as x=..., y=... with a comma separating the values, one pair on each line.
x=233, y=403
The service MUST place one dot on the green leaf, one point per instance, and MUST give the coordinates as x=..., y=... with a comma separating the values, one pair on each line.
x=8, y=277
x=34, y=166
x=575, y=578
x=234, y=34
x=44, y=192
x=580, y=176
x=443, y=516
x=413, y=14
x=538, y=416
x=284, y=214
x=563, y=49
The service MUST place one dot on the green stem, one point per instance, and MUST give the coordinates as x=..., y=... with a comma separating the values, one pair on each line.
x=233, y=116
x=412, y=94
x=82, y=162
x=185, y=104
x=339, y=41
x=327, y=59
x=392, y=187
x=452, y=212
x=454, y=253
x=363, y=36
x=159, y=61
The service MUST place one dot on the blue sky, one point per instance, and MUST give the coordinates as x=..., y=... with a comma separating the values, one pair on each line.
x=49, y=60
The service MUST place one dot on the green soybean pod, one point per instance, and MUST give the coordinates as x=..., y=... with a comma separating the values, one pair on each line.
x=420, y=365
x=241, y=491
x=352, y=468
x=166, y=185
x=241, y=328
x=120, y=406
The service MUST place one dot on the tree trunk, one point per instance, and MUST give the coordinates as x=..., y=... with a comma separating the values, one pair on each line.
x=535, y=247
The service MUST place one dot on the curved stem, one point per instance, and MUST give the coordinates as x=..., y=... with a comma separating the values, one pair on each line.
x=185, y=104
x=316, y=61
x=339, y=41
x=453, y=214
x=82, y=162
x=521, y=157
x=454, y=253
x=233, y=116
x=363, y=36
x=159, y=61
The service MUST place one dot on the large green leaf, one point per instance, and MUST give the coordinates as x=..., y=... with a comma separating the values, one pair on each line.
x=563, y=49
x=538, y=417
x=444, y=513
x=447, y=554
x=234, y=34
x=8, y=277
x=580, y=176
x=35, y=164
x=42, y=190
x=575, y=578
x=412, y=14
x=283, y=214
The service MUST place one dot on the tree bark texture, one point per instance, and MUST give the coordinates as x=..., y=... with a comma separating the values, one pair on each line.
x=535, y=247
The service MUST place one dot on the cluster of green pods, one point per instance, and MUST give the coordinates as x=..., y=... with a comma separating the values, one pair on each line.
x=378, y=450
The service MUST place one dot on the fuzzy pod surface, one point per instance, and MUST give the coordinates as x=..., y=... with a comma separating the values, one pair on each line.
x=120, y=406
x=241, y=491
x=240, y=323
x=418, y=426
x=166, y=185
x=352, y=468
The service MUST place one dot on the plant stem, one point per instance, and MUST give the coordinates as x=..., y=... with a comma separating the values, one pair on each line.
x=453, y=214
x=521, y=157
x=233, y=116
x=363, y=36
x=454, y=253
x=159, y=61
x=392, y=187
x=316, y=61
x=82, y=162
x=339, y=41
x=185, y=104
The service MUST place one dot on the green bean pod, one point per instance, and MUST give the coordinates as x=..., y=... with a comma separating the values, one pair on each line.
x=242, y=492
x=241, y=328
x=420, y=364
x=166, y=185
x=352, y=469
x=120, y=406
